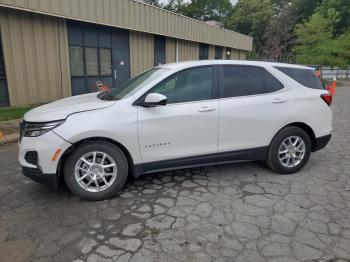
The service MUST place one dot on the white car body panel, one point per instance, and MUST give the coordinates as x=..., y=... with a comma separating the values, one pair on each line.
x=248, y=122
x=230, y=123
x=46, y=145
x=118, y=123
x=62, y=108
x=178, y=130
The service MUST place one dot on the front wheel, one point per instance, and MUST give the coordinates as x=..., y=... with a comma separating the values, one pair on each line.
x=289, y=150
x=96, y=170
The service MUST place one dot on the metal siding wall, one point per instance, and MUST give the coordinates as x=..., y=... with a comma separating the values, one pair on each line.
x=170, y=50
x=188, y=50
x=211, y=52
x=141, y=52
x=36, y=57
x=242, y=55
x=234, y=54
x=136, y=16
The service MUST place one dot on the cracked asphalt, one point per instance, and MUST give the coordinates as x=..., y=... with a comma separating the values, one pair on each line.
x=238, y=212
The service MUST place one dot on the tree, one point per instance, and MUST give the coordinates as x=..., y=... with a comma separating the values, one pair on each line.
x=316, y=44
x=278, y=37
x=176, y=6
x=251, y=17
x=305, y=8
x=153, y=2
x=342, y=10
x=208, y=9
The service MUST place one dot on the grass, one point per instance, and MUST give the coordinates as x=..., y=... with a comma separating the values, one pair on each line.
x=10, y=113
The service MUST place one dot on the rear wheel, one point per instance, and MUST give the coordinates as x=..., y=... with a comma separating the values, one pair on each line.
x=289, y=151
x=96, y=170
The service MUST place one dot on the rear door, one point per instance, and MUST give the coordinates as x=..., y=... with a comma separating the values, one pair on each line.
x=184, y=131
x=253, y=105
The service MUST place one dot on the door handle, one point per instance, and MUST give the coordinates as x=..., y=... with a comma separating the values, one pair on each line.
x=206, y=109
x=278, y=101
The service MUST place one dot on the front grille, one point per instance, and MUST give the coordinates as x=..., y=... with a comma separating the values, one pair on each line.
x=31, y=157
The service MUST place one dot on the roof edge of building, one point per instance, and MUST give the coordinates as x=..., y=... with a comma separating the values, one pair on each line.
x=215, y=36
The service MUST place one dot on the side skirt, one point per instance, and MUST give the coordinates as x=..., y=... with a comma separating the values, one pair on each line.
x=244, y=155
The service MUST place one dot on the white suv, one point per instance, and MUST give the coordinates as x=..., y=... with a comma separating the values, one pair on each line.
x=175, y=116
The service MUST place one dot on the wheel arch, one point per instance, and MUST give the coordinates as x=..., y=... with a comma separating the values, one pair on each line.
x=308, y=129
x=133, y=169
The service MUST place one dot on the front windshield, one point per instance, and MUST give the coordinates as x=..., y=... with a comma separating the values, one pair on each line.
x=137, y=82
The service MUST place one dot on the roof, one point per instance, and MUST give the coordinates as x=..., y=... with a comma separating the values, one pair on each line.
x=187, y=64
x=137, y=16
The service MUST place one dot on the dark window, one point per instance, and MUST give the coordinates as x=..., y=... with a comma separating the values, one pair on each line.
x=306, y=77
x=105, y=61
x=194, y=84
x=4, y=98
x=159, y=50
x=248, y=80
x=228, y=53
x=90, y=56
x=218, y=52
x=76, y=58
x=91, y=61
x=203, y=52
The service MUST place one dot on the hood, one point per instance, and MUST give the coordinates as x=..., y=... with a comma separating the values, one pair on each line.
x=62, y=108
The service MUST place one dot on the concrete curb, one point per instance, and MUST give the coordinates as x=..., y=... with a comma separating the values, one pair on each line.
x=9, y=139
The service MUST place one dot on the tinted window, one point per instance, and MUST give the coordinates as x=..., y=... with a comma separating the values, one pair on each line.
x=76, y=58
x=306, y=77
x=218, y=52
x=105, y=61
x=159, y=50
x=247, y=80
x=189, y=85
x=203, y=51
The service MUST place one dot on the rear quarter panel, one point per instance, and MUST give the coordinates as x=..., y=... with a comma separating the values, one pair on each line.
x=313, y=111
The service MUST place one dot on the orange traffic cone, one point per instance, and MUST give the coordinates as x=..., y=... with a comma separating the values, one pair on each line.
x=333, y=87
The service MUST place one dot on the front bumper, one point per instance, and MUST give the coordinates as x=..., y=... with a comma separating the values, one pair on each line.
x=50, y=180
x=321, y=142
x=45, y=146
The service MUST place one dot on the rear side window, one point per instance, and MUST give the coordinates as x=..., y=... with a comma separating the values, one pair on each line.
x=248, y=80
x=306, y=77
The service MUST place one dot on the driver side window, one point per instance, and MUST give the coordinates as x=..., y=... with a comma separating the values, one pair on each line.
x=193, y=84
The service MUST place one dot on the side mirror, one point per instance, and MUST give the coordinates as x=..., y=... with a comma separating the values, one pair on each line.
x=154, y=99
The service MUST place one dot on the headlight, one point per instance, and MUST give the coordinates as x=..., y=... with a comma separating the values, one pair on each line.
x=37, y=129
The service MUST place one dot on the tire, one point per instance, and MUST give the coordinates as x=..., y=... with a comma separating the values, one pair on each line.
x=106, y=178
x=278, y=161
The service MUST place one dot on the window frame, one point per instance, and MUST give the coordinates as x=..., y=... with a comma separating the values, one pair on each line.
x=83, y=43
x=215, y=87
x=221, y=81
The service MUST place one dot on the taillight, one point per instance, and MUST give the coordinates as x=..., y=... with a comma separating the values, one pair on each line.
x=327, y=98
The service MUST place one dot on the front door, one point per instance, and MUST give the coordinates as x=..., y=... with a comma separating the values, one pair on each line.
x=97, y=53
x=185, y=131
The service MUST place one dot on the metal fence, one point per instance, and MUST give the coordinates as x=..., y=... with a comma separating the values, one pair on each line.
x=339, y=74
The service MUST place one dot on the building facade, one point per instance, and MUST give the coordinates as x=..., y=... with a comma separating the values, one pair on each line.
x=50, y=49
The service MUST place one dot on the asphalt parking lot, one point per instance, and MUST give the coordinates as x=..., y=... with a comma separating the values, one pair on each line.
x=240, y=212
